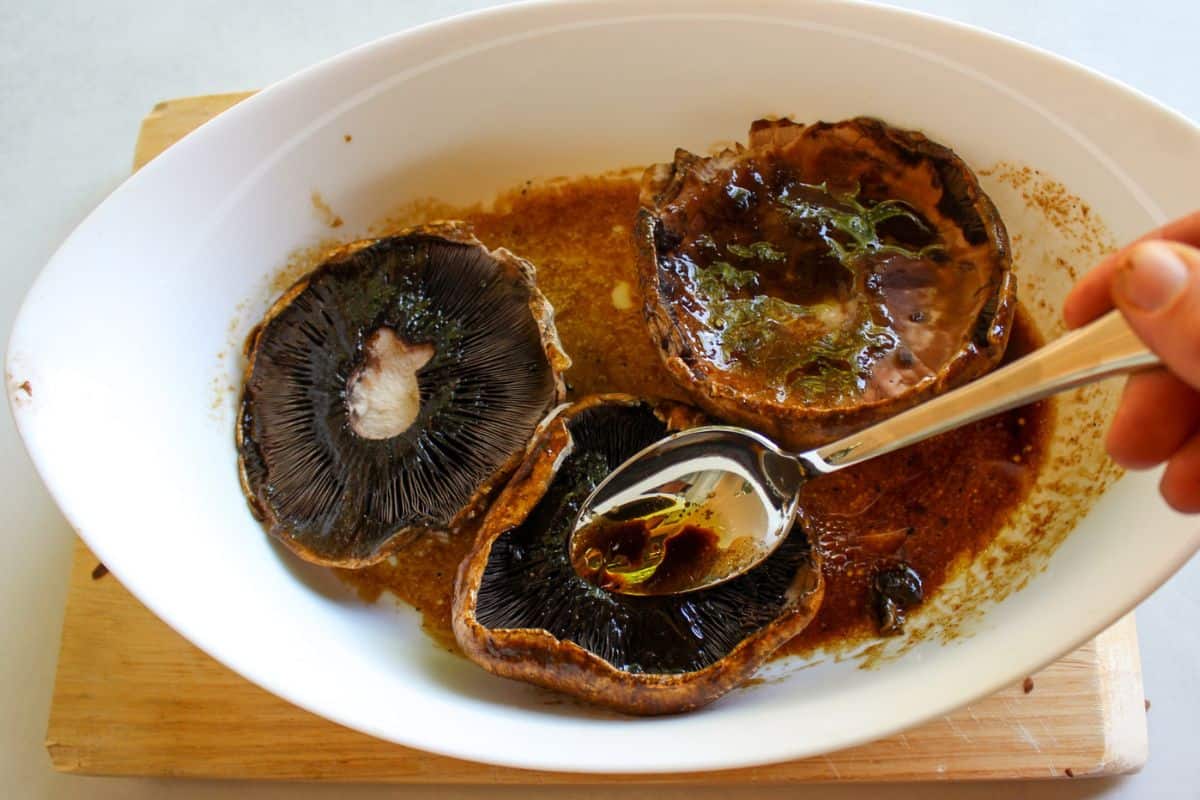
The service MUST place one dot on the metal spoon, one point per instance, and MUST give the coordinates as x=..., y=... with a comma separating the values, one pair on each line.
x=742, y=490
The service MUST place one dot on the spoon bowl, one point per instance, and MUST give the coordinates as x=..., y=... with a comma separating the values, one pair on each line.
x=690, y=511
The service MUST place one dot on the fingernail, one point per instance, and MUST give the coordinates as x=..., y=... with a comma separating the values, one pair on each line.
x=1152, y=276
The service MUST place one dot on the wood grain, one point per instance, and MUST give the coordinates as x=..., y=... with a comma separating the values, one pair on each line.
x=132, y=697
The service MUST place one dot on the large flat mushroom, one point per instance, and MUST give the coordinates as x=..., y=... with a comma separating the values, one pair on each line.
x=391, y=391
x=823, y=277
x=522, y=612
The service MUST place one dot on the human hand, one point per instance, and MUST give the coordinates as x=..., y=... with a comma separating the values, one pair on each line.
x=1155, y=282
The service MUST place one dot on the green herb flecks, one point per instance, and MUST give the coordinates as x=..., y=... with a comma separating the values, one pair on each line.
x=816, y=351
x=777, y=337
x=760, y=251
x=717, y=279
x=849, y=228
x=785, y=340
x=739, y=317
x=820, y=351
x=839, y=363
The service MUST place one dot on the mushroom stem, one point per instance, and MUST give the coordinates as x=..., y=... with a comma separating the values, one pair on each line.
x=383, y=394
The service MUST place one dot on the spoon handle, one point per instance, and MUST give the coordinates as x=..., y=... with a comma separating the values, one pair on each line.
x=1099, y=350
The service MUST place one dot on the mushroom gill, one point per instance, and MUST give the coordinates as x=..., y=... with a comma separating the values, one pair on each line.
x=391, y=391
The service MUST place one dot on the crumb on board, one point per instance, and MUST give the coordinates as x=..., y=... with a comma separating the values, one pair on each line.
x=347, y=138
x=1027, y=685
x=99, y=571
x=1070, y=772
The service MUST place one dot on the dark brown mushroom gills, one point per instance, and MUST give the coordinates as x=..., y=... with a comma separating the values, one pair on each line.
x=390, y=390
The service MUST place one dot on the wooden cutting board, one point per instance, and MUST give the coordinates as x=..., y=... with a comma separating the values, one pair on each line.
x=132, y=697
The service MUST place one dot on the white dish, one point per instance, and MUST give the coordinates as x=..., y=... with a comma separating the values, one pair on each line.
x=120, y=335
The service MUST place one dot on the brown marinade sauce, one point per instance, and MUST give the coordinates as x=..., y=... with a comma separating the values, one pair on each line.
x=932, y=506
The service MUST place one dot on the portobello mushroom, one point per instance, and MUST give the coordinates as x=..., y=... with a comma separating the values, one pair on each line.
x=521, y=611
x=824, y=277
x=391, y=391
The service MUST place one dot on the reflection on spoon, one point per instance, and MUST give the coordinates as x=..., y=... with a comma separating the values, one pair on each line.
x=671, y=536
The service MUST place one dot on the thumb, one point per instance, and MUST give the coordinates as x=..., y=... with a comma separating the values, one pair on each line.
x=1157, y=288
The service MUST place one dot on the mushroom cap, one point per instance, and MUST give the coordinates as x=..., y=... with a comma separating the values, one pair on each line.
x=824, y=277
x=522, y=612
x=489, y=369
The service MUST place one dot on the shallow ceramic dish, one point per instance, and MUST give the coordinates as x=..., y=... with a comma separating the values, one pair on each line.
x=126, y=347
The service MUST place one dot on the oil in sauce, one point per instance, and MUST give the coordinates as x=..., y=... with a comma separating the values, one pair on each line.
x=636, y=556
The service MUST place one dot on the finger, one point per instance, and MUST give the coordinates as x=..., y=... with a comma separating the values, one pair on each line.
x=1157, y=288
x=1157, y=415
x=1180, y=485
x=1092, y=296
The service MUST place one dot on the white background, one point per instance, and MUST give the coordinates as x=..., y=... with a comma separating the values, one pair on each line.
x=76, y=77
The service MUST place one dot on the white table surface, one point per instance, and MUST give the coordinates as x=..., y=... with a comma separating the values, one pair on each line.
x=77, y=76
